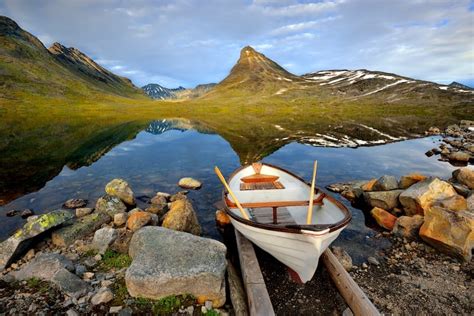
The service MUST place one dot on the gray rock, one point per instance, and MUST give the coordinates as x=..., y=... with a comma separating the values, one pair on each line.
x=166, y=262
x=408, y=226
x=373, y=261
x=103, y=238
x=386, y=200
x=72, y=312
x=104, y=295
x=20, y=241
x=122, y=241
x=120, y=189
x=44, y=267
x=70, y=283
x=126, y=312
x=83, y=211
x=80, y=270
x=82, y=227
x=385, y=183
x=115, y=309
x=189, y=183
x=110, y=205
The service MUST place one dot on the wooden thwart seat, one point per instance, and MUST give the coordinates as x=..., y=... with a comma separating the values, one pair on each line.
x=266, y=216
x=276, y=185
x=316, y=201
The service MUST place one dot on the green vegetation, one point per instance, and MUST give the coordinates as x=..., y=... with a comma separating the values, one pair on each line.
x=115, y=260
x=165, y=305
x=37, y=285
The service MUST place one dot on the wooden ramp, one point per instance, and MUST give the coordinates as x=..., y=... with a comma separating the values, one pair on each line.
x=257, y=294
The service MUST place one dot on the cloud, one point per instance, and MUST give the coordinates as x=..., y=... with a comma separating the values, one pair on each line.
x=188, y=42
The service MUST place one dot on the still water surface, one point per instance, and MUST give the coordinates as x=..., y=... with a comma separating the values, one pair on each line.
x=155, y=161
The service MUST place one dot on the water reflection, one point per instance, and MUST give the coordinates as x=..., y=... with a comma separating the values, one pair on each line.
x=166, y=150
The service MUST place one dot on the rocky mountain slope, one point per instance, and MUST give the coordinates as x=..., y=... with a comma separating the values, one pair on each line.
x=254, y=75
x=26, y=66
x=156, y=91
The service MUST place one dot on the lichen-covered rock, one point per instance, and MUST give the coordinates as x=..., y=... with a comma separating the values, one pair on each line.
x=120, y=188
x=408, y=226
x=167, y=262
x=81, y=228
x=465, y=176
x=383, y=218
x=453, y=203
x=189, y=183
x=410, y=179
x=20, y=240
x=385, y=183
x=110, y=205
x=451, y=232
x=103, y=238
x=137, y=220
x=387, y=200
x=418, y=197
x=182, y=217
x=369, y=185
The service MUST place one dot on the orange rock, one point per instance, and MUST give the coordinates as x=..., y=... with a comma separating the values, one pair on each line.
x=137, y=220
x=369, y=185
x=408, y=180
x=222, y=219
x=383, y=218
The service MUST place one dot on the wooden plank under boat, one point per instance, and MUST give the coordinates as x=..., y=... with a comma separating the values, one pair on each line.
x=277, y=216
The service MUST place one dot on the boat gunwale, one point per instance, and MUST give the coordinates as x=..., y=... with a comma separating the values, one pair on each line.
x=296, y=229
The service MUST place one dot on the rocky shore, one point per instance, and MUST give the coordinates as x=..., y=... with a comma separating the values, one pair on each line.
x=102, y=259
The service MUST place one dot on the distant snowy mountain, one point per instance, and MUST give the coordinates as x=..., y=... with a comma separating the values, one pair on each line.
x=156, y=91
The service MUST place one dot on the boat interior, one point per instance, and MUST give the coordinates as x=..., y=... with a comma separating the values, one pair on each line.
x=270, y=195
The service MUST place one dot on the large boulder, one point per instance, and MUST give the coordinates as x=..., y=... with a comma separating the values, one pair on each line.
x=387, y=200
x=410, y=179
x=451, y=232
x=189, y=183
x=103, y=238
x=385, y=183
x=383, y=218
x=110, y=205
x=418, y=198
x=465, y=176
x=14, y=246
x=120, y=188
x=408, y=226
x=182, y=217
x=81, y=228
x=54, y=268
x=167, y=262
x=453, y=203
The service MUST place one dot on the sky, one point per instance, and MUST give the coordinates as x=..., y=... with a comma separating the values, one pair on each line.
x=189, y=42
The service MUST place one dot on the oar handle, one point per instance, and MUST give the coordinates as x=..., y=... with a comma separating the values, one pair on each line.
x=221, y=177
x=311, y=195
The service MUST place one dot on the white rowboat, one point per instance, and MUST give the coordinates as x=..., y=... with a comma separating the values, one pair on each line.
x=276, y=203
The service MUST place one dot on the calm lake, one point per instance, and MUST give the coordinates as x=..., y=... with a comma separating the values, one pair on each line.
x=163, y=153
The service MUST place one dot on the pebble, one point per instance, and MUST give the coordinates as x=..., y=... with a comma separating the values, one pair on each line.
x=208, y=305
x=71, y=312
x=190, y=310
x=204, y=310
x=364, y=265
x=106, y=283
x=98, y=257
x=88, y=275
x=373, y=261
x=80, y=270
x=115, y=309
x=104, y=295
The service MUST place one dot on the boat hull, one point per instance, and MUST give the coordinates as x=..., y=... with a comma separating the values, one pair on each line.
x=300, y=252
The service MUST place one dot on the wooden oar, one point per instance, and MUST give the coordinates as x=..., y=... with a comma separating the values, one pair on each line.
x=311, y=196
x=221, y=177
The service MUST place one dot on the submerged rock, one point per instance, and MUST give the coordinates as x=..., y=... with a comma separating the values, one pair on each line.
x=182, y=217
x=417, y=198
x=166, y=262
x=120, y=189
x=383, y=218
x=110, y=205
x=14, y=246
x=408, y=226
x=82, y=227
x=189, y=183
x=75, y=203
x=451, y=232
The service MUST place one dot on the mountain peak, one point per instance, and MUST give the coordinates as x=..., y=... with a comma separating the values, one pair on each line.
x=248, y=51
x=7, y=25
